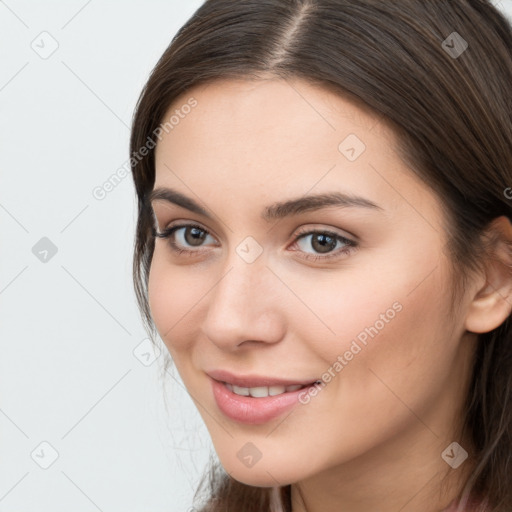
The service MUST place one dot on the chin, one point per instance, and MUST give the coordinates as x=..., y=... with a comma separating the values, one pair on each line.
x=262, y=474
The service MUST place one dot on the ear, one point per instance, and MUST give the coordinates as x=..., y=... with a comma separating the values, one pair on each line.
x=492, y=302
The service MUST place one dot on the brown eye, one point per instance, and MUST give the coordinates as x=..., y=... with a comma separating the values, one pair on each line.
x=323, y=243
x=182, y=236
x=193, y=235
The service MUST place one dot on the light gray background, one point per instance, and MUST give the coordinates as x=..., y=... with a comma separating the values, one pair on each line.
x=74, y=366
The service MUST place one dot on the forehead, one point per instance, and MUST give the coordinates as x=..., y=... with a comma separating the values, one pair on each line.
x=265, y=124
x=270, y=137
x=268, y=107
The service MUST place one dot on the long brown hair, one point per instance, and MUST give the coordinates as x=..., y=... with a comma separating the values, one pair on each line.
x=451, y=106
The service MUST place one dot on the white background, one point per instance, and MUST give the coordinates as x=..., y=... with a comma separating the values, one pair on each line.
x=127, y=439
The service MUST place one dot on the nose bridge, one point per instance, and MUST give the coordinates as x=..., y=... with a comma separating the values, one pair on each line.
x=242, y=286
x=246, y=274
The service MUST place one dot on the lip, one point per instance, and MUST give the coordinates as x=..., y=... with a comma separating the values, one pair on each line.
x=250, y=410
x=253, y=381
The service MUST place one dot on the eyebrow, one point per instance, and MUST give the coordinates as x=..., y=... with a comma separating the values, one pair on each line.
x=275, y=210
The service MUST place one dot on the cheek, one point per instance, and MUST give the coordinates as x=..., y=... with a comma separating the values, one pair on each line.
x=387, y=314
x=339, y=307
x=390, y=341
x=174, y=294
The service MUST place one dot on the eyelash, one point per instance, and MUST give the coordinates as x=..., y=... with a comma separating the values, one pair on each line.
x=350, y=244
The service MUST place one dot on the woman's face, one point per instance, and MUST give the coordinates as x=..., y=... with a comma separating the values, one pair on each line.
x=368, y=318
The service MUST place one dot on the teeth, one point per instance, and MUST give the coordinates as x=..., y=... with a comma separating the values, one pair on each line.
x=262, y=391
x=259, y=392
x=276, y=390
x=241, y=391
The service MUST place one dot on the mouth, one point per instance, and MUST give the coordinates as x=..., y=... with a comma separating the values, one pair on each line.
x=257, y=404
x=245, y=385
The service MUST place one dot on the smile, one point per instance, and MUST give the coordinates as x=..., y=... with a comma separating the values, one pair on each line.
x=256, y=405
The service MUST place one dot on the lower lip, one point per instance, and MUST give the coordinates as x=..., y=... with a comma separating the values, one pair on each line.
x=254, y=411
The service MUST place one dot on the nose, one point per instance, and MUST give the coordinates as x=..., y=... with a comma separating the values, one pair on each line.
x=246, y=306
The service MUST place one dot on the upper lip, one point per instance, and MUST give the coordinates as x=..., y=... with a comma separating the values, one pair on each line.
x=253, y=381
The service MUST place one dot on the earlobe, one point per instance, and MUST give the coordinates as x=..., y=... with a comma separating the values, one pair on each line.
x=492, y=303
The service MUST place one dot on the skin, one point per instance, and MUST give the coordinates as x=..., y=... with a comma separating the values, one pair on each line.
x=372, y=438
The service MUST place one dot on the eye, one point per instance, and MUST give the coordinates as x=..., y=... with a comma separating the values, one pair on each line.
x=324, y=242
x=192, y=234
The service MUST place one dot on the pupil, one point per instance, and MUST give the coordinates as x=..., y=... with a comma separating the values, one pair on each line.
x=196, y=236
x=326, y=243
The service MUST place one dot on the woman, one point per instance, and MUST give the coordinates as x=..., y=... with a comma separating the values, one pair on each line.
x=324, y=246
